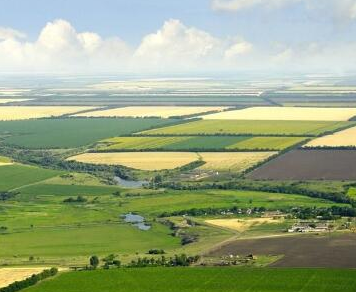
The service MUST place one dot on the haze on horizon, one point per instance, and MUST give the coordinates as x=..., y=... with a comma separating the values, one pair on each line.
x=185, y=36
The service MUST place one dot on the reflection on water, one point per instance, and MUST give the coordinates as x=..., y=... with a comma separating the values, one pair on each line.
x=131, y=184
x=137, y=220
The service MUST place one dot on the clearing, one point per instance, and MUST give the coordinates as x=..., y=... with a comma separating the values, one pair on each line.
x=286, y=114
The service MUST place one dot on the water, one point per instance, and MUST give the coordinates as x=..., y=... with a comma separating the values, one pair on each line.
x=131, y=184
x=137, y=221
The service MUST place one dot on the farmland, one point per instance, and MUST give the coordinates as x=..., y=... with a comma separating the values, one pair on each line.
x=34, y=112
x=286, y=113
x=239, y=127
x=232, y=161
x=345, y=138
x=200, y=279
x=150, y=111
x=17, y=175
x=186, y=143
x=309, y=165
x=300, y=251
x=73, y=132
x=140, y=160
x=218, y=161
x=10, y=275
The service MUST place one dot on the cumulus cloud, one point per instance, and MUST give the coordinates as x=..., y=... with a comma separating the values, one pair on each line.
x=60, y=47
x=9, y=33
x=175, y=44
x=174, y=47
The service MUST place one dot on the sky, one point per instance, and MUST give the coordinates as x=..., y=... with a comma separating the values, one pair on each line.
x=171, y=36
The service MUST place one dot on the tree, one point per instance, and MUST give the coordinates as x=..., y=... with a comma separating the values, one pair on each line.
x=94, y=261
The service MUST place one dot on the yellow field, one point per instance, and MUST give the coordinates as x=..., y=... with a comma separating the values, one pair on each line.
x=232, y=161
x=286, y=113
x=10, y=275
x=340, y=139
x=241, y=225
x=8, y=113
x=140, y=160
x=7, y=100
x=5, y=161
x=151, y=111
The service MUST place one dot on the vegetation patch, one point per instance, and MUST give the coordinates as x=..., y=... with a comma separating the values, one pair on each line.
x=71, y=132
x=202, y=279
x=250, y=127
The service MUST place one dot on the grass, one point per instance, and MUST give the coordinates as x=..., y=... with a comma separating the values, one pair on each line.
x=189, y=143
x=73, y=132
x=239, y=127
x=17, y=175
x=202, y=279
x=271, y=143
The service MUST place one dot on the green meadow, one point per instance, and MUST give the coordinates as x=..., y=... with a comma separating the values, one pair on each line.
x=244, y=127
x=202, y=280
x=73, y=132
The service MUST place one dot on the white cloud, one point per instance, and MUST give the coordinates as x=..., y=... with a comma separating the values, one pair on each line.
x=238, y=49
x=9, y=33
x=173, y=48
x=175, y=44
x=236, y=5
x=60, y=47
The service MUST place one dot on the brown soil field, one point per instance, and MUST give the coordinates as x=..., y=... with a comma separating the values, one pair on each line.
x=309, y=165
x=329, y=251
x=10, y=275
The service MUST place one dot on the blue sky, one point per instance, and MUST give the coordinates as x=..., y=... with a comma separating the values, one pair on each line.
x=266, y=24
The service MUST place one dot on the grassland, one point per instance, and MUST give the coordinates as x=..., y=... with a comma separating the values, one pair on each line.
x=239, y=127
x=151, y=111
x=345, y=138
x=232, y=161
x=39, y=224
x=199, y=279
x=140, y=160
x=286, y=114
x=17, y=175
x=187, y=143
x=73, y=132
x=34, y=112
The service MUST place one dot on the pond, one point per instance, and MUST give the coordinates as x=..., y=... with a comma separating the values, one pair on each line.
x=131, y=184
x=137, y=221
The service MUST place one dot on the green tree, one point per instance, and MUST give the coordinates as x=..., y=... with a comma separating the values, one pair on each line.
x=94, y=261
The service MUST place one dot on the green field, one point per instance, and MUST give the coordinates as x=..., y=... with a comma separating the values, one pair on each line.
x=199, y=143
x=202, y=279
x=73, y=132
x=17, y=175
x=241, y=127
